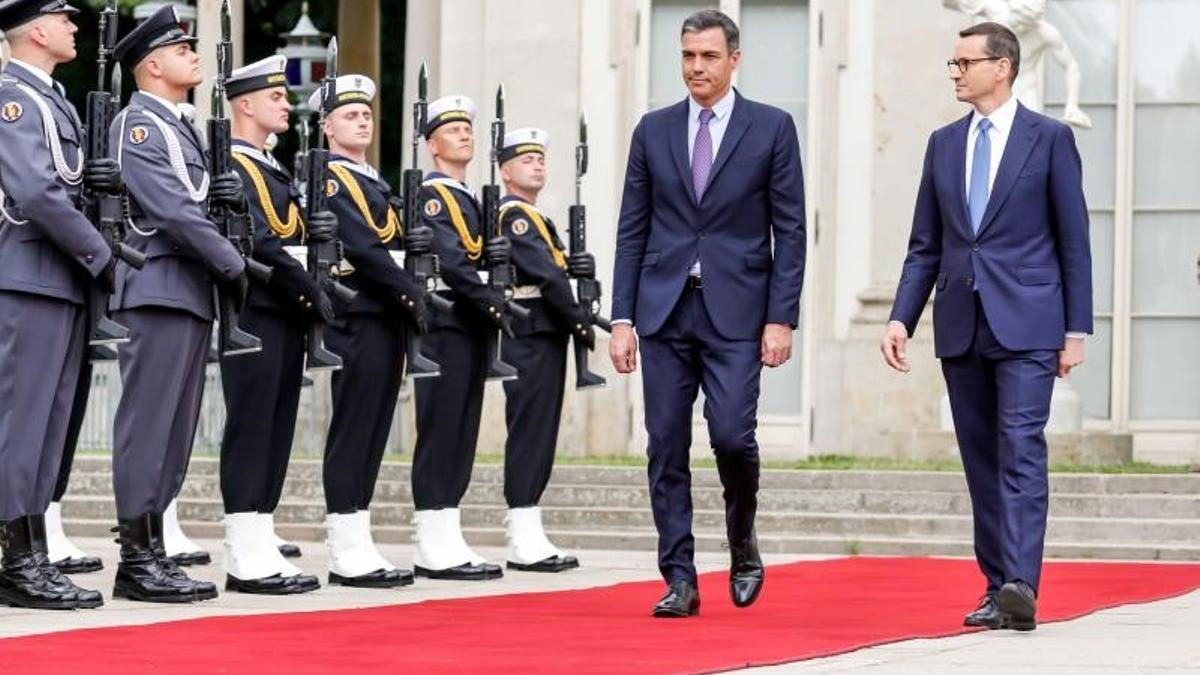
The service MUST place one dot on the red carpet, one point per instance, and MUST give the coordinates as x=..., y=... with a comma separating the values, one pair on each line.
x=807, y=609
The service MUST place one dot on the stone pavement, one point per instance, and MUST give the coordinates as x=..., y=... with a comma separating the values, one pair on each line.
x=1153, y=639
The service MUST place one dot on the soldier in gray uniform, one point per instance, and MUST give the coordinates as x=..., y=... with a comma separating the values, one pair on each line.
x=49, y=253
x=167, y=305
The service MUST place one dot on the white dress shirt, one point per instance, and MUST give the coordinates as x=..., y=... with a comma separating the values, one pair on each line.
x=173, y=107
x=716, y=128
x=37, y=72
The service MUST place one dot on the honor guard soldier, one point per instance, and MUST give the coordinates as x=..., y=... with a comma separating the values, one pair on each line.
x=262, y=391
x=50, y=254
x=368, y=334
x=167, y=305
x=533, y=403
x=449, y=406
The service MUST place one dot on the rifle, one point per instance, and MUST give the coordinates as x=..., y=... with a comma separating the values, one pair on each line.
x=500, y=268
x=587, y=288
x=237, y=228
x=324, y=258
x=419, y=261
x=106, y=211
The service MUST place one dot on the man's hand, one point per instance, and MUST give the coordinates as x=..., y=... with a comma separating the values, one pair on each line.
x=895, y=346
x=1070, y=356
x=776, y=344
x=622, y=348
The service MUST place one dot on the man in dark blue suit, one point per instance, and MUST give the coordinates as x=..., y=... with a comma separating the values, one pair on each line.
x=711, y=181
x=1001, y=229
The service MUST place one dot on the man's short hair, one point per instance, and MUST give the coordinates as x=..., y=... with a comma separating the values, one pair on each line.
x=1001, y=43
x=711, y=18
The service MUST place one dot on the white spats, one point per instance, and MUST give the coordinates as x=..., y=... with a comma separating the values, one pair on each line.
x=59, y=547
x=289, y=569
x=250, y=552
x=439, y=540
x=174, y=540
x=527, y=541
x=352, y=552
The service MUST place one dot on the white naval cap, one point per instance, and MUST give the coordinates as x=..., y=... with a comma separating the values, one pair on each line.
x=520, y=141
x=264, y=74
x=456, y=108
x=347, y=89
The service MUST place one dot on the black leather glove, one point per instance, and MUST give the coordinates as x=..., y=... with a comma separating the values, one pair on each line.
x=581, y=265
x=419, y=240
x=323, y=307
x=227, y=190
x=107, y=279
x=418, y=313
x=322, y=227
x=103, y=175
x=499, y=251
x=237, y=289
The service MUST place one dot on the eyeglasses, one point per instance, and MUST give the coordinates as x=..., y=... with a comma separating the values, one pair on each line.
x=961, y=65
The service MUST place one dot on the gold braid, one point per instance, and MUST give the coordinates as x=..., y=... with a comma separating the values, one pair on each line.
x=474, y=245
x=385, y=233
x=284, y=230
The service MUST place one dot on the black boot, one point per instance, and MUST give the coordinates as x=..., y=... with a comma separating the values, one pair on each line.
x=205, y=590
x=88, y=599
x=140, y=575
x=22, y=583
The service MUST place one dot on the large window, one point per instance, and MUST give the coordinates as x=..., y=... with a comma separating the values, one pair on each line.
x=774, y=70
x=1141, y=161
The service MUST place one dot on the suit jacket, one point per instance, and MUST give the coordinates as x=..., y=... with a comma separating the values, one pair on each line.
x=755, y=194
x=1031, y=260
x=55, y=251
x=291, y=289
x=185, y=252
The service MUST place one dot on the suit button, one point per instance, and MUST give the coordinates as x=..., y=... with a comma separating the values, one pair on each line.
x=90, y=257
x=970, y=281
x=975, y=247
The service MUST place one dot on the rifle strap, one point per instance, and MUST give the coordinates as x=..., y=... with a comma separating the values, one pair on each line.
x=474, y=245
x=385, y=233
x=283, y=230
x=542, y=228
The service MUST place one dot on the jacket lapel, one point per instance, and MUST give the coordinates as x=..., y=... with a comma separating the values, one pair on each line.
x=679, y=145
x=739, y=122
x=1021, y=140
x=958, y=160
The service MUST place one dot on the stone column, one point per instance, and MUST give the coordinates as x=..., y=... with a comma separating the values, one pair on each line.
x=208, y=32
x=358, y=45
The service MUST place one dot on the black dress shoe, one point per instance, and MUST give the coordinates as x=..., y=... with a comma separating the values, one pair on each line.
x=191, y=558
x=682, y=600
x=276, y=584
x=463, y=572
x=1017, y=602
x=84, y=565
x=289, y=550
x=986, y=615
x=555, y=563
x=23, y=582
x=746, y=572
x=376, y=579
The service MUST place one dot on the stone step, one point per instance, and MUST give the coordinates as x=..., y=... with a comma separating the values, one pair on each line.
x=309, y=535
x=486, y=492
x=769, y=523
x=917, y=481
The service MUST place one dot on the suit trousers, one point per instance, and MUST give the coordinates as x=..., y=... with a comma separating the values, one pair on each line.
x=448, y=414
x=364, y=401
x=42, y=342
x=532, y=411
x=1000, y=400
x=162, y=374
x=262, y=395
x=688, y=354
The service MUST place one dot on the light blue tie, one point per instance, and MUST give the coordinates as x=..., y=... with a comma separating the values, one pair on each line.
x=981, y=167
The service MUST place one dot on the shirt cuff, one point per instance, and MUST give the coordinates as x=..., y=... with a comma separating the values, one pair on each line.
x=618, y=322
x=1080, y=336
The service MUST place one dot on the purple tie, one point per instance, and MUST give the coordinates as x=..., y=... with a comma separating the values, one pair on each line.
x=702, y=155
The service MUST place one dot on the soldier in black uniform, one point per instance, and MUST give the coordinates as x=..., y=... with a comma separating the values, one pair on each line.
x=449, y=406
x=369, y=335
x=262, y=390
x=538, y=351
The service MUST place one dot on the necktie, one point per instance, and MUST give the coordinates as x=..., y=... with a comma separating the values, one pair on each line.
x=702, y=155
x=981, y=167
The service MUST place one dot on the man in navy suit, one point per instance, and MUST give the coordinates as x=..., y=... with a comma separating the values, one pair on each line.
x=1001, y=229
x=711, y=181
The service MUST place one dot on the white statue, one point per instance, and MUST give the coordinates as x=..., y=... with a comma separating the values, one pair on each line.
x=1027, y=18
